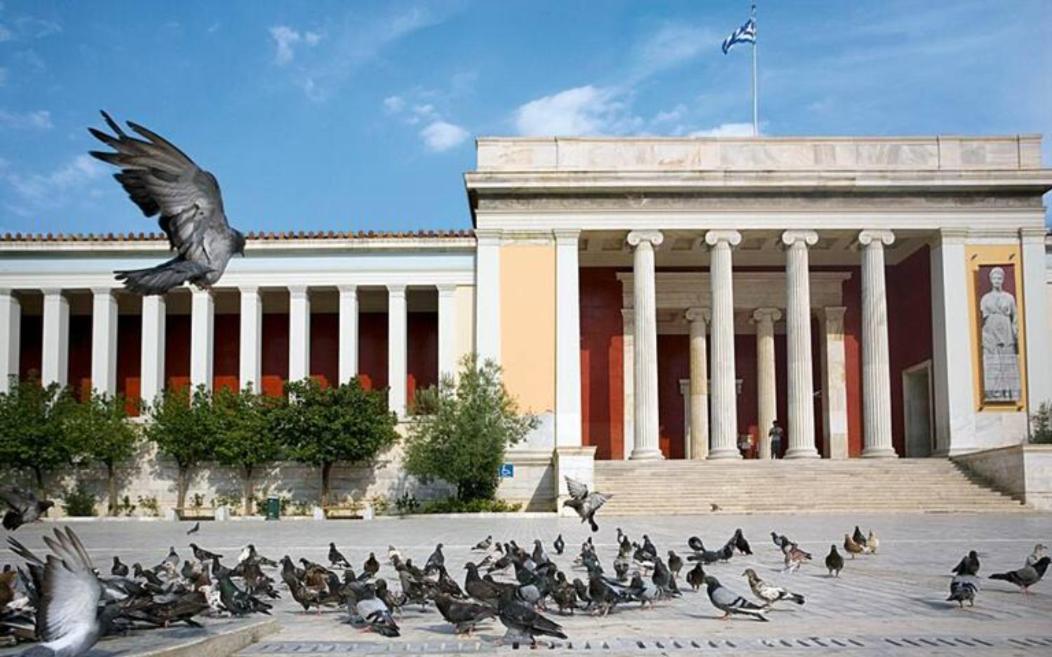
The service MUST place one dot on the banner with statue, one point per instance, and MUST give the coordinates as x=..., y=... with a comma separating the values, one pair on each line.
x=999, y=333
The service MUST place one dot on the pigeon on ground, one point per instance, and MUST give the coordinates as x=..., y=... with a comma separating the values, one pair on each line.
x=1026, y=576
x=769, y=593
x=675, y=563
x=795, y=557
x=780, y=540
x=204, y=555
x=872, y=542
x=23, y=506
x=696, y=576
x=730, y=602
x=852, y=546
x=371, y=565
x=523, y=620
x=337, y=559
x=193, y=530
x=239, y=602
x=68, y=618
x=463, y=615
x=1035, y=556
x=969, y=564
x=740, y=544
x=163, y=181
x=373, y=611
x=559, y=544
x=583, y=502
x=859, y=538
x=963, y=589
x=484, y=544
x=436, y=561
x=834, y=562
x=119, y=569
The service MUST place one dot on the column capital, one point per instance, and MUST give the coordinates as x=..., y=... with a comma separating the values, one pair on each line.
x=348, y=288
x=396, y=290
x=446, y=289
x=653, y=237
x=956, y=235
x=805, y=237
x=833, y=313
x=564, y=235
x=98, y=291
x=297, y=291
x=248, y=289
x=766, y=315
x=876, y=237
x=1033, y=234
x=731, y=237
x=51, y=291
x=698, y=315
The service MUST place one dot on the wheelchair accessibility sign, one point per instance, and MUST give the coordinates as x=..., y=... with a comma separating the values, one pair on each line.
x=507, y=470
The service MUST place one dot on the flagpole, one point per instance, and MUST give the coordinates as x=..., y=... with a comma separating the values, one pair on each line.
x=755, y=104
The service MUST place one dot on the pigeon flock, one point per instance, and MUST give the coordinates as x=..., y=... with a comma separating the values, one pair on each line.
x=62, y=601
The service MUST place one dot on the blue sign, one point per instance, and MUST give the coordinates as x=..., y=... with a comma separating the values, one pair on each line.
x=507, y=470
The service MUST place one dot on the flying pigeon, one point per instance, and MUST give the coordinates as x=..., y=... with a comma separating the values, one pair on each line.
x=583, y=502
x=969, y=564
x=163, y=181
x=1026, y=576
x=963, y=589
x=769, y=593
x=730, y=602
x=193, y=530
x=834, y=562
x=23, y=506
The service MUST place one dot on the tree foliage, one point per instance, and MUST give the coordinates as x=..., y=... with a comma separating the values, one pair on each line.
x=321, y=426
x=463, y=440
x=244, y=439
x=1041, y=424
x=98, y=432
x=32, y=432
x=183, y=426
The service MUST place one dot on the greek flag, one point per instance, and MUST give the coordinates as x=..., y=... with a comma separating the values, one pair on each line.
x=744, y=34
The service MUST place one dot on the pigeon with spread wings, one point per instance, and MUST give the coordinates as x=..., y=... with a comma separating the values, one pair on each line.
x=23, y=506
x=163, y=181
x=585, y=503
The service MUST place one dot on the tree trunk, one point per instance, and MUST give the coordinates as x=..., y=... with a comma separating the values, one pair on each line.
x=249, y=491
x=39, y=474
x=111, y=487
x=182, y=483
x=326, y=470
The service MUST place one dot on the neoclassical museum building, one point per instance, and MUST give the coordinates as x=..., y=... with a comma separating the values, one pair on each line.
x=648, y=298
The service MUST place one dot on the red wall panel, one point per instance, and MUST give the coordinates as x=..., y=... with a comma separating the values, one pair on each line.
x=372, y=350
x=129, y=360
x=422, y=354
x=602, y=374
x=325, y=347
x=177, y=351
x=79, y=366
x=673, y=365
x=226, y=351
x=31, y=336
x=909, y=329
x=274, y=365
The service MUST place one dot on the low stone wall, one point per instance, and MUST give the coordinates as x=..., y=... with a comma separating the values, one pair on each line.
x=153, y=476
x=1022, y=471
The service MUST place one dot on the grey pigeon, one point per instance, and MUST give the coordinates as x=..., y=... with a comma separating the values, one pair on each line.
x=436, y=561
x=585, y=503
x=193, y=530
x=834, y=562
x=484, y=544
x=463, y=615
x=768, y=592
x=23, y=506
x=372, y=611
x=730, y=602
x=163, y=181
x=559, y=544
x=523, y=620
x=336, y=558
x=963, y=589
x=969, y=564
x=1026, y=576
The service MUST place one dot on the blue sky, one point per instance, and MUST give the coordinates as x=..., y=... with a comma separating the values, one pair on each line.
x=346, y=116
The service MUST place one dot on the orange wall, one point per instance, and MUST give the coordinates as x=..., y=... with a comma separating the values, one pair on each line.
x=527, y=291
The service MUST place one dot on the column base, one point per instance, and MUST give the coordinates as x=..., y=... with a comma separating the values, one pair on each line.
x=646, y=455
x=801, y=453
x=725, y=454
x=879, y=453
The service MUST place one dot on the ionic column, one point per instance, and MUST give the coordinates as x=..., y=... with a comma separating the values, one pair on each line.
x=724, y=427
x=644, y=355
x=487, y=295
x=447, y=329
x=834, y=383
x=567, y=340
x=251, y=342
x=798, y=344
x=104, y=340
x=151, y=355
x=699, y=384
x=10, y=334
x=684, y=391
x=396, y=349
x=349, y=332
x=202, y=338
x=54, y=361
x=628, y=383
x=876, y=377
x=767, y=390
x=299, y=333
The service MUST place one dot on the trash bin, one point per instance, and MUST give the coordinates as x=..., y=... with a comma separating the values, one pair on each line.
x=273, y=508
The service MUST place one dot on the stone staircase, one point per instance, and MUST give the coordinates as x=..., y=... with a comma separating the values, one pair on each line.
x=688, y=487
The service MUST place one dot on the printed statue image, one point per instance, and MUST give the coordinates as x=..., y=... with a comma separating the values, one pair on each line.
x=1000, y=336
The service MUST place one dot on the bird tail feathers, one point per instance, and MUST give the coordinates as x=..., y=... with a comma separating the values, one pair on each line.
x=163, y=277
x=1004, y=576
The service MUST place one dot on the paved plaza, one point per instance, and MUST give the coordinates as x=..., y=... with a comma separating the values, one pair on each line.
x=884, y=604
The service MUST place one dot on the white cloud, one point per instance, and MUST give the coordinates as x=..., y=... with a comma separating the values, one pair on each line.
x=394, y=104
x=54, y=189
x=725, y=130
x=586, y=110
x=441, y=136
x=670, y=46
x=669, y=116
x=39, y=120
x=285, y=40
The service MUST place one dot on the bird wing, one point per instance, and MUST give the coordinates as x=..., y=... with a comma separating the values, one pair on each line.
x=17, y=498
x=576, y=489
x=71, y=590
x=164, y=181
x=593, y=502
x=725, y=598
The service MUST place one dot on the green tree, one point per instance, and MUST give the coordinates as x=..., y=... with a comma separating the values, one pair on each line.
x=183, y=426
x=463, y=440
x=98, y=432
x=31, y=429
x=321, y=426
x=244, y=439
x=1041, y=424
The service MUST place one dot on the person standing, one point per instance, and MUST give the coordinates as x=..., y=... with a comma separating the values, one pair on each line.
x=775, y=435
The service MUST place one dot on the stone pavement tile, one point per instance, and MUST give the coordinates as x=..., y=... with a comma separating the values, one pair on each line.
x=896, y=594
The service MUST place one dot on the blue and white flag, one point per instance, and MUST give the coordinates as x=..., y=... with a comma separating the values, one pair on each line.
x=744, y=34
